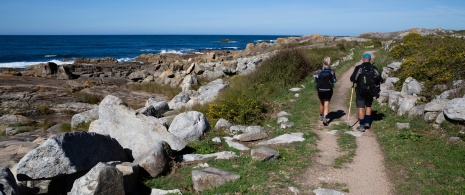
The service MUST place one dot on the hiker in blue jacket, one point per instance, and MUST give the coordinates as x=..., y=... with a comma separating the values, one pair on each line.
x=325, y=79
x=368, y=79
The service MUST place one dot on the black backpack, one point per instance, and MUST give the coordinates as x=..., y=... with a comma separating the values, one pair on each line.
x=367, y=84
x=323, y=82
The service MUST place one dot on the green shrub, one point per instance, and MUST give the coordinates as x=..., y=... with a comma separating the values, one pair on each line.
x=44, y=110
x=88, y=98
x=431, y=59
x=285, y=69
x=65, y=127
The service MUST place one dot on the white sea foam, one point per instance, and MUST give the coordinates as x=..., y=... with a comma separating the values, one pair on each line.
x=170, y=51
x=125, y=60
x=50, y=56
x=148, y=50
x=26, y=64
x=235, y=48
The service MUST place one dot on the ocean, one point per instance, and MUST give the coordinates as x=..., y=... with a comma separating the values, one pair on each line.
x=20, y=51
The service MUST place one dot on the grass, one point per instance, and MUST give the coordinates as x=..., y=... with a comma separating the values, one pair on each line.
x=87, y=98
x=260, y=177
x=153, y=87
x=421, y=160
x=348, y=146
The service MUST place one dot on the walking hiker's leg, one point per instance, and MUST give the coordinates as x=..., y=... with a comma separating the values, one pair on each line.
x=361, y=115
x=326, y=107
x=321, y=107
x=368, y=116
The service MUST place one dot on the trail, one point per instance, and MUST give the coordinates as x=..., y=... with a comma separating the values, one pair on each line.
x=366, y=174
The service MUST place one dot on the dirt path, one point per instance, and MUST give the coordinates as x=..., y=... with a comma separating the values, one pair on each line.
x=366, y=174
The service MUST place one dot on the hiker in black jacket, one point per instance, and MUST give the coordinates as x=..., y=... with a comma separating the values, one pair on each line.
x=325, y=79
x=368, y=79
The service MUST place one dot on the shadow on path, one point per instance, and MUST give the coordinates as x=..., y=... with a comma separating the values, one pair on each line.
x=336, y=115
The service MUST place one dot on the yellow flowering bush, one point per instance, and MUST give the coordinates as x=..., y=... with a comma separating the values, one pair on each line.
x=431, y=59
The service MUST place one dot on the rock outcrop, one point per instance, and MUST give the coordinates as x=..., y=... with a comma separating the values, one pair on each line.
x=68, y=153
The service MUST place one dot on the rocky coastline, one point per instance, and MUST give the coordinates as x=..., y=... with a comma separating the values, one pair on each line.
x=155, y=130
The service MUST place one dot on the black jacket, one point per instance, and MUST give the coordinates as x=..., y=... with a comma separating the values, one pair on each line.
x=353, y=77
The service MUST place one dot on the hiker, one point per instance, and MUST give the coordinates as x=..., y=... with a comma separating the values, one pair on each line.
x=325, y=79
x=368, y=79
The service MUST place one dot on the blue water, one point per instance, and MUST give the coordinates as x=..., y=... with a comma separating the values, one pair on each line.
x=22, y=51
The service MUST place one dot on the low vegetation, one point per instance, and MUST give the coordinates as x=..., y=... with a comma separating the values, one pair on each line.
x=154, y=87
x=422, y=159
x=433, y=60
x=88, y=98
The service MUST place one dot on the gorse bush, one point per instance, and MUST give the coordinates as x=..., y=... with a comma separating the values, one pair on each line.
x=431, y=59
x=285, y=69
x=247, y=100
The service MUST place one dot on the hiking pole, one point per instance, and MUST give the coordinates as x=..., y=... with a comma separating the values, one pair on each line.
x=350, y=103
x=354, y=124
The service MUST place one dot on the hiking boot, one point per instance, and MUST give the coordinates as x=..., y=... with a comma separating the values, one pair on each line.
x=320, y=118
x=367, y=125
x=325, y=121
x=361, y=128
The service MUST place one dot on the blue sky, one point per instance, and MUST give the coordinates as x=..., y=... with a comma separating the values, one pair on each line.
x=270, y=17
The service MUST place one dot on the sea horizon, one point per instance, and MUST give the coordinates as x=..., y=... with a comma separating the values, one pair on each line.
x=21, y=51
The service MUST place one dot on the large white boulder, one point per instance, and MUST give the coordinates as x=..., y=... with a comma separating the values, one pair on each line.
x=136, y=132
x=411, y=86
x=408, y=102
x=189, y=126
x=103, y=179
x=455, y=109
x=68, y=153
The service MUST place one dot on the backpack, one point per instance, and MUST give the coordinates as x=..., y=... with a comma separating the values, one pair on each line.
x=324, y=80
x=367, y=84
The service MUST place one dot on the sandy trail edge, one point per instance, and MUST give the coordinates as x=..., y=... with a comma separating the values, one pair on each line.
x=367, y=173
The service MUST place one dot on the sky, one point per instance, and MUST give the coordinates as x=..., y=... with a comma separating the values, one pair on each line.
x=233, y=17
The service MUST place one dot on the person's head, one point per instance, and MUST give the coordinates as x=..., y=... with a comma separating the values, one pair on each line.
x=326, y=61
x=366, y=57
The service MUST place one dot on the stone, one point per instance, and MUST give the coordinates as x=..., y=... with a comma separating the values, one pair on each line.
x=231, y=143
x=286, y=125
x=157, y=107
x=395, y=65
x=455, y=109
x=283, y=113
x=324, y=191
x=187, y=82
x=355, y=133
x=179, y=101
x=236, y=129
x=282, y=119
x=417, y=110
x=264, y=154
x=254, y=129
x=216, y=140
x=436, y=105
x=155, y=161
x=208, y=92
x=130, y=173
x=391, y=80
x=441, y=118
x=189, y=126
x=84, y=117
x=393, y=101
x=296, y=89
x=103, y=179
x=386, y=86
x=408, y=102
x=411, y=86
x=163, y=192
x=430, y=116
x=247, y=137
x=7, y=182
x=116, y=119
x=223, y=124
x=455, y=139
x=284, y=139
x=210, y=178
x=403, y=125
x=219, y=155
x=68, y=153
x=8, y=119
